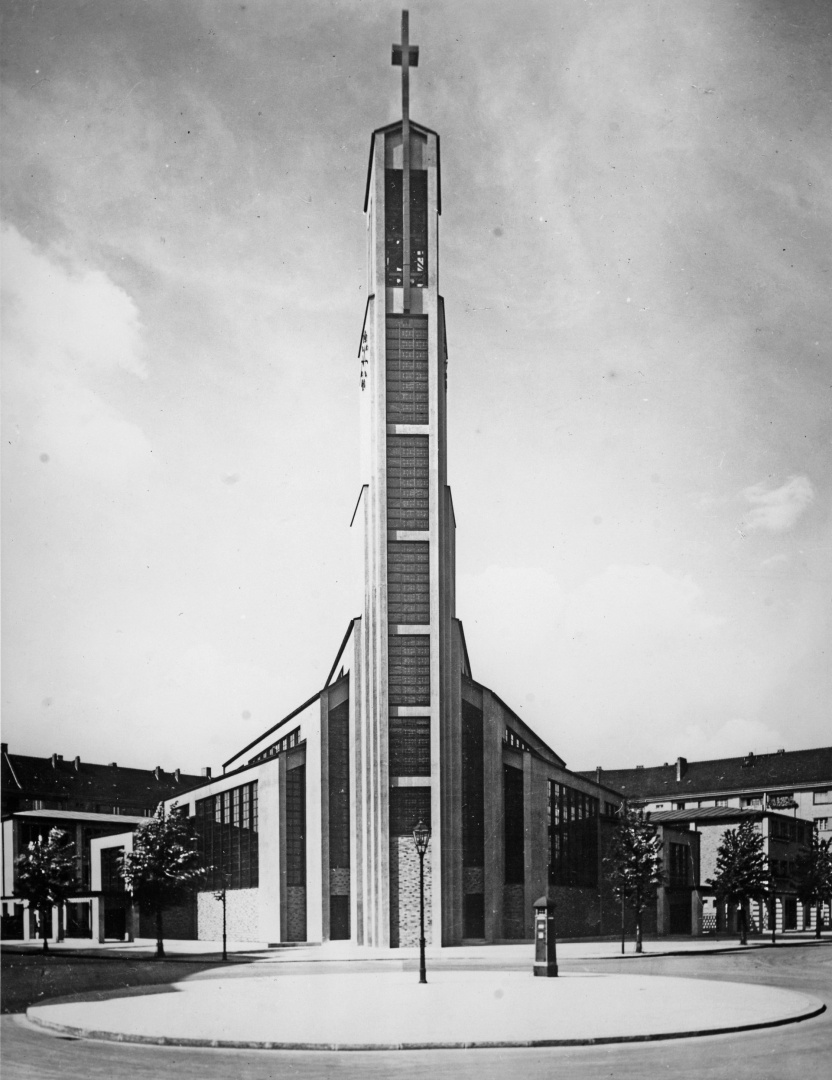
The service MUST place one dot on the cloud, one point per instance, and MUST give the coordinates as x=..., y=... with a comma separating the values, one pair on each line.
x=776, y=562
x=777, y=509
x=69, y=318
x=645, y=601
x=70, y=336
x=730, y=739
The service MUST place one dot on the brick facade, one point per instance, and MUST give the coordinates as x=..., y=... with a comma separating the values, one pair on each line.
x=404, y=892
x=514, y=911
x=241, y=914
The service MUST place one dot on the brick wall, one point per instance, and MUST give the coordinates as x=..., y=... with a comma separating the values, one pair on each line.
x=710, y=839
x=473, y=879
x=242, y=917
x=404, y=892
x=295, y=913
x=178, y=923
x=514, y=911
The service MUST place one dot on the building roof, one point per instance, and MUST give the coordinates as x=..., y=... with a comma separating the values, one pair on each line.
x=81, y=815
x=712, y=814
x=56, y=780
x=784, y=770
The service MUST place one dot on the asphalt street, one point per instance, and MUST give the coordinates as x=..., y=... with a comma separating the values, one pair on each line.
x=796, y=1052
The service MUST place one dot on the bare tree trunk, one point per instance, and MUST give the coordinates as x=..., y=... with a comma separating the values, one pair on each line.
x=743, y=926
x=160, y=945
x=638, y=930
x=818, y=918
x=44, y=931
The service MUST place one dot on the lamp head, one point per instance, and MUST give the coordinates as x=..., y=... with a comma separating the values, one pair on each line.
x=421, y=836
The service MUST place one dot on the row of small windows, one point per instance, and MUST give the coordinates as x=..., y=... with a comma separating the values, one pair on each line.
x=511, y=738
x=780, y=799
x=280, y=747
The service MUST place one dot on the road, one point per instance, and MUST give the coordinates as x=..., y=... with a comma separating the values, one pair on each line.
x=795, y=1052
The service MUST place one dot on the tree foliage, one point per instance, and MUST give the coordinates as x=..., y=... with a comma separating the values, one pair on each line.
x=46, y=875
x=742, y=872
x=164, y=867
x=633, y=864
x=813, y=875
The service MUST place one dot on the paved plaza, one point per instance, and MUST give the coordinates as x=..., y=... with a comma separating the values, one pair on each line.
x=474, y=998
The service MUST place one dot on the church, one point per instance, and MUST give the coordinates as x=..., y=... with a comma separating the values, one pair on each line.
x=310, y=827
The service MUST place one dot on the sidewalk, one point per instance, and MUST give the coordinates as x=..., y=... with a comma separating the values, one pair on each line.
x=492, y=956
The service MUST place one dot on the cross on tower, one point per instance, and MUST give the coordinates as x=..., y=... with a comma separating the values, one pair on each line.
x=406, y=56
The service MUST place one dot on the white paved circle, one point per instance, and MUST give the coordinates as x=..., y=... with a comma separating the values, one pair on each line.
x=392, y=1009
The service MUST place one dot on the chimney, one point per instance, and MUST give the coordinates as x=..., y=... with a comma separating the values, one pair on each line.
x=207, y=771
x=56, y=759
x=113, y=764
x=639, y=766
x=177, y=775
x=598, y=771
x=77, y=764
x=681, y=768
x=157, y=772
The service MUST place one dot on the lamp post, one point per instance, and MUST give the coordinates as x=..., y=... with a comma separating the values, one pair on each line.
x=222, y=896
x=421, y=836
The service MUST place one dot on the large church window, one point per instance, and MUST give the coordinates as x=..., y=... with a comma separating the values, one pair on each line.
x=408, y=806
x=573, y=836
x=408, y=667
x=296, y=826
x=394, y=231
x=409, y=745
x=473, y=788
x=407, y=369
x=408, y=499
x=514, y=825
x=227, y=837
x=408, y=582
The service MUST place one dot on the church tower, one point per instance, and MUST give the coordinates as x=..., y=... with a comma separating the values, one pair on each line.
x=403, y=694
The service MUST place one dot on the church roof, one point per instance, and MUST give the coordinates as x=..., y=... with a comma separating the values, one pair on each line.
x=392, y=127
x=753, y=772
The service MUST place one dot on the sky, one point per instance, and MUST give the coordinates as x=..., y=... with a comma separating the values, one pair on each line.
x=635, y=259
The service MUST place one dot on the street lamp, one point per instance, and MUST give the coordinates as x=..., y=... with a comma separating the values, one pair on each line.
x=222, y=896
x=421, y=836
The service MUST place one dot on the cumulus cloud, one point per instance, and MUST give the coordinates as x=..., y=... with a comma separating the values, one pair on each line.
x=777, y=509
x=68, y=333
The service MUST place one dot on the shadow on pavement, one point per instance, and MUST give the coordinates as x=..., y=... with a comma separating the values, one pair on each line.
x=32, y=978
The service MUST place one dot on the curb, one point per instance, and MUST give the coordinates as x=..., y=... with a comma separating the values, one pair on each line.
x=243, y=1044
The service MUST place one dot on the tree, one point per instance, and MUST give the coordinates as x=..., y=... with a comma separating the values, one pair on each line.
x=633, y=864
x=164, y=867
x=46, y=875
x=813, y=876
x=742, y=872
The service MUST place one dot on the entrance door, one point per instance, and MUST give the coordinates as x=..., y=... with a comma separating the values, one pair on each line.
x=680, y=915
x=115, y=920
x=78, y=921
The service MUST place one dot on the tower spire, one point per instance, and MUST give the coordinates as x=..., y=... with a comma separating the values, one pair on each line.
x=407, y=56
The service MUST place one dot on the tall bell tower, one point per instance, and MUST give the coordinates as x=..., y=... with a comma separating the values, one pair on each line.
x=406, y=702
